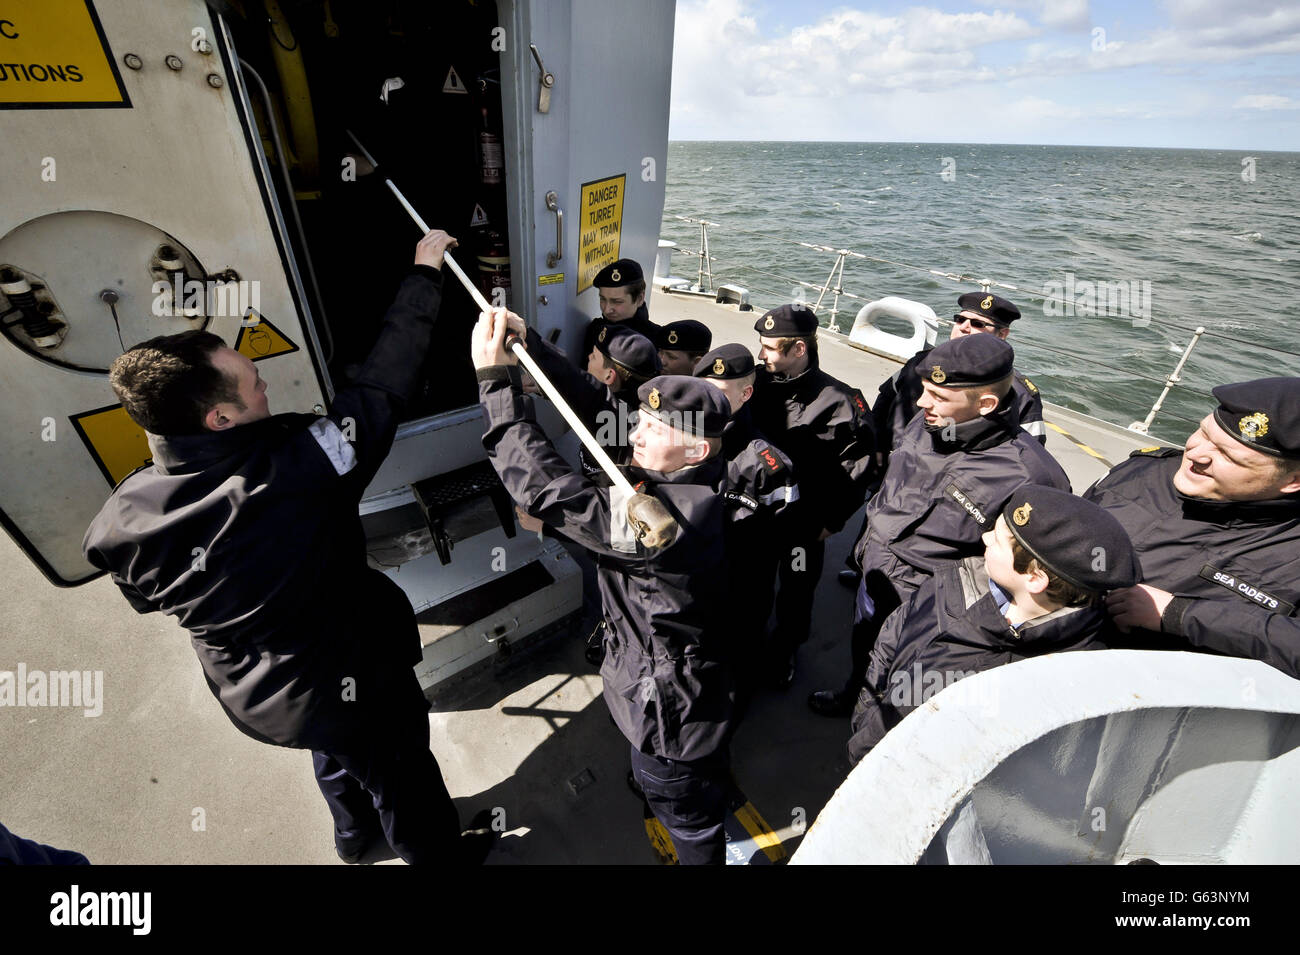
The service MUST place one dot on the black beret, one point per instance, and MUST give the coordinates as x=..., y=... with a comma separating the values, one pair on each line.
x=787, y=321
x=987, y=305
x=630, y=350
x=622, y=272
x=1076, y=540
x=1263, y=414
x=690, y=405
x=686, y=335
x=968, y=362
x=726, y=362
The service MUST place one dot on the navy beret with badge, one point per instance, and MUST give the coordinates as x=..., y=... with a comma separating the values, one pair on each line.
x=1263, y=414
x=995, y=308
x=1076, y=540
x=968, y=362
x=630, y=351
x=686, y=335
x=725, y=363
x=787, y=321
x=688, y=404
x=622, y=272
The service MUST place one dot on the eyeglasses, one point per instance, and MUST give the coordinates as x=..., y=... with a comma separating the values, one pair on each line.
x=974, y=323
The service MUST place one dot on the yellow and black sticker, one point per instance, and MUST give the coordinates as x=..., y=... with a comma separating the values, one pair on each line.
x=555, y=278
x=600, y=226
x=53, y=53
x=259, y=339
x=117, y=443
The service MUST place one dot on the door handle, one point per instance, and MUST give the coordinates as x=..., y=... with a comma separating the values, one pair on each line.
x=545, y=83
x=553, y=203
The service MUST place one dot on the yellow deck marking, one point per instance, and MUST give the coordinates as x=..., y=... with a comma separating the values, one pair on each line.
x=1069, y=437
x=761, y=832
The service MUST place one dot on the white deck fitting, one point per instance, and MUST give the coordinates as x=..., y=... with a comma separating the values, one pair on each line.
x=1100, y=757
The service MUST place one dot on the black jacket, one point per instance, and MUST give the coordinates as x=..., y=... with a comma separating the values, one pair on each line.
x=1241, y=557
x=939, y=497
x=666, y=678
x=251, y=538
x=950, y=629
x=896, y=403
x=761, y=486
x=825, y=429
x=639, y=322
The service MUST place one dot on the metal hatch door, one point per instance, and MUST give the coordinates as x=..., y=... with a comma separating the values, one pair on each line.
x=598, y=151
x=130, y=207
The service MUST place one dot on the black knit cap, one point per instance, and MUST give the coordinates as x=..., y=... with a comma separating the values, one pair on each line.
x=686, y=335
x=630, y=351
x=622, y=272
x=968, y=362
x=1076, y=540
x=995, y=308
x=688, y=404
x=787, y=321
x=725, y=363
x=1263, y=414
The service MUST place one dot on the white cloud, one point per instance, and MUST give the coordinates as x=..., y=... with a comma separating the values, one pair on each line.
x=1266, y=101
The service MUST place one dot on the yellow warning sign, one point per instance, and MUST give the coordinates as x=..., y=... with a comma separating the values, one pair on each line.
x=555, y=278
x=600, y=224
x=54, y=53
x=259, y=339
x=117, y=443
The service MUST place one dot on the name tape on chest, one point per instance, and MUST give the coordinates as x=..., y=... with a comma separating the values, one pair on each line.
x=1247, y=590
x=966, y=504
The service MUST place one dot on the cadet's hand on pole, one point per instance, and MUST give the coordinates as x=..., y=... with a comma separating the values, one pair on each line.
x=487, y=340
x=1139, y=607
x=430, y=248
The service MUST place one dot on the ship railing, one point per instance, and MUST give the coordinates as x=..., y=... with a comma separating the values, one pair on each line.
x=834, y=287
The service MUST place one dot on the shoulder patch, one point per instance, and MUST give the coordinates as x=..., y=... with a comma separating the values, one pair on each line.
x=1033, y=388
x=859, y=403
x=770, y=460
x=1155, y=451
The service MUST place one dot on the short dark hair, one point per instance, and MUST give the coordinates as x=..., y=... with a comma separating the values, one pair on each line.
x=783, y=345
x=167, y=384
x=1059, y=591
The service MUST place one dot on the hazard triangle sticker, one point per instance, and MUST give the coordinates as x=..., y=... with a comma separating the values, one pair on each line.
x=453, y=84
x=259, y=338
x=479, y=217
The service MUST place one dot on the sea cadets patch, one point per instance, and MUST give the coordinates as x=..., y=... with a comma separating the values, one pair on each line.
x=1076, y=540
x=1263, y=414
x=967, y=504
x=969, y=361
x=768, y=458
x=725, y=362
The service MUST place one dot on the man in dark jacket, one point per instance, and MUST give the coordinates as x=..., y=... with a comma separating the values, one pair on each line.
x=823, y=425
x=1217, y=527
x=761, y=491
x=1035, y=591
x=981, y=313
x=620, y=287
x=666, y=679
x=245, y=528
x=952, y=470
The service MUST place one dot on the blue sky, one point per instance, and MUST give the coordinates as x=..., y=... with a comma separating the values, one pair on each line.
x=1217, y=74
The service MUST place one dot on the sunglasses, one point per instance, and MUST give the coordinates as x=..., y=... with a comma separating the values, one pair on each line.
x=974, y=322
